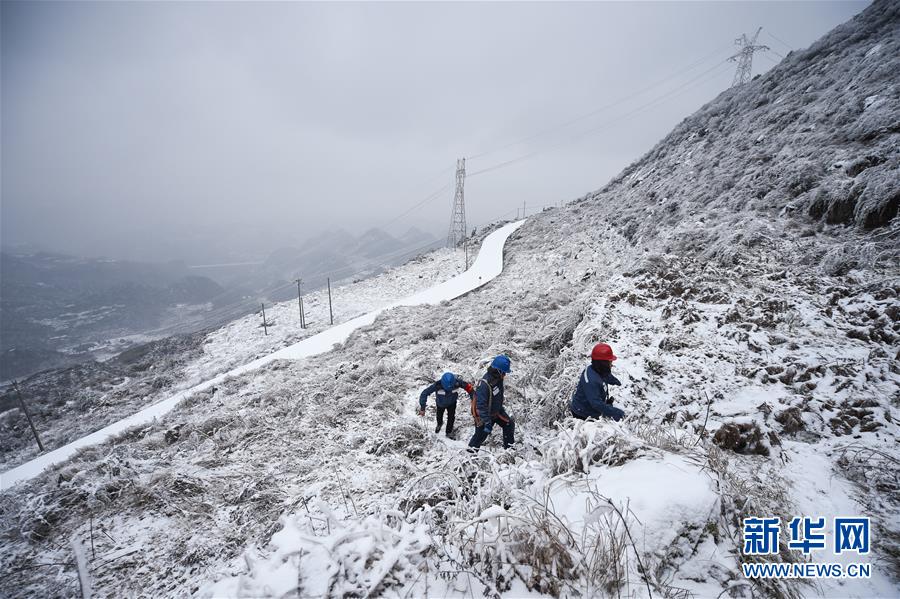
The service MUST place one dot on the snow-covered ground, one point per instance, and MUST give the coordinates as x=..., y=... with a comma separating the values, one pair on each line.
x=98, y=399
x=243, y=340
x=751, y=290
x=486, y=266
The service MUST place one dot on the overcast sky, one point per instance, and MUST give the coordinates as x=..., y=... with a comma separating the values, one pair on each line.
x=207, y=130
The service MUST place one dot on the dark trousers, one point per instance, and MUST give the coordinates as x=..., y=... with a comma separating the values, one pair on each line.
x=508, y=426
x=612, y=412
x=451, y=416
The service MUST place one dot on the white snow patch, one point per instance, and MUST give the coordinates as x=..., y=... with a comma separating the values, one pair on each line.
x=874, y=50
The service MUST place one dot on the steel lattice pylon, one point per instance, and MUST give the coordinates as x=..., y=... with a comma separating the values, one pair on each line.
x=744, y=58
x=458, y=218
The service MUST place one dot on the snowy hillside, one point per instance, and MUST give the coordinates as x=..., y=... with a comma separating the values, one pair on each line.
x=70, y=403
x=747, y=273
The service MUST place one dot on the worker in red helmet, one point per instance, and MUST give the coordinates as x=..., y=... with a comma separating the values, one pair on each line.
x=591, y=398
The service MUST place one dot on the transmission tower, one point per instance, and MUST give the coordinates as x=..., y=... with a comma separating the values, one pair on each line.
x=458, y=219
x=744, y=58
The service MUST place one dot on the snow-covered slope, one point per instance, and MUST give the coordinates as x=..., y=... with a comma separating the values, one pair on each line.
x=71, y=403
x=758, y=354
x=487, y=265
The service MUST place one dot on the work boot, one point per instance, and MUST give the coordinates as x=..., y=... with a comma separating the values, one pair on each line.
x=451, y=434
x=437, y=429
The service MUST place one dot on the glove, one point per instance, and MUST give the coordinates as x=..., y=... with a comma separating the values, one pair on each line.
x=488, y=427
x=609, y=400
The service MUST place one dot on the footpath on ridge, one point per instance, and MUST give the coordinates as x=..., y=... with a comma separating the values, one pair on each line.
x=486, y=267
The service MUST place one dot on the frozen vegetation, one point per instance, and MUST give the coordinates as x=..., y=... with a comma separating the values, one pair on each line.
x=72, y=402
x=745, y=271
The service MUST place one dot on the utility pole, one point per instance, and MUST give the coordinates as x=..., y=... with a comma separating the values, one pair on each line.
x=458, y=218
x=330, y=312
x=300, y=303
x=466, y=246
x=744, y=58
x=28, y=416
x=265, y=326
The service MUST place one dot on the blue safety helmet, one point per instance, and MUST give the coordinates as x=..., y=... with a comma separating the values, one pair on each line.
x=501, y=363
x=448, y=380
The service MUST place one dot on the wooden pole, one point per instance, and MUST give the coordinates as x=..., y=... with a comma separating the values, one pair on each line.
x=300, y=303
x=302, y=315
x=330, y=311
x=28, y=416
x=265, y=326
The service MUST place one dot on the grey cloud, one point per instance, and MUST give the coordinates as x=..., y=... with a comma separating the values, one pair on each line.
x=145, y=129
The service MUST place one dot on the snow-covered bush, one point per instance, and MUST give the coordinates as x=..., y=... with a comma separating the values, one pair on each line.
x=582, y=444
x=350, y=558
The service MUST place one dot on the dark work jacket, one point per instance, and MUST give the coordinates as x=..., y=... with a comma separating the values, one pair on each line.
x=589, y=399
x=489, y=399
x=444, y=399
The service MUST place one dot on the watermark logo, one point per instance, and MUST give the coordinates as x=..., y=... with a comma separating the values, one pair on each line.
x=851, y=534
x=807, y=534
x=762, y=537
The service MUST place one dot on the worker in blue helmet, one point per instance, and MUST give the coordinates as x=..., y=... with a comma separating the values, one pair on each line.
x=487, y=406
x=446, y=394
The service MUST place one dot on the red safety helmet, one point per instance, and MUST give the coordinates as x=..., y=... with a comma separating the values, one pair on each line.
x=602, y=351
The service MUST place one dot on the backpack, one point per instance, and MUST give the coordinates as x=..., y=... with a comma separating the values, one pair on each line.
x=474, y=401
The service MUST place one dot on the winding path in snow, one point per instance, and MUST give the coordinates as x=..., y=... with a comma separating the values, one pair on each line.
x=487, y=266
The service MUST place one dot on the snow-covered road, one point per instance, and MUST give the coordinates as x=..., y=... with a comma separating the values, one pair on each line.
x=487, y=266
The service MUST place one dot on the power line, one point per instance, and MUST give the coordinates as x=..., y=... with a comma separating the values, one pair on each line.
x=602, y=108
x=225, y=311
x=608, y=123
x=769, y=33
x=430, y=197
x=435, y=194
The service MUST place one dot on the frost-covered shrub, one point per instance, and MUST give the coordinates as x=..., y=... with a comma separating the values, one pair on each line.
x=399, y=436
x=842, y=206
x=801, y=176
x=535, y=544
x=879, y=201
x=582, y=444
x=375, y=556
x=861, y=164
x=838, y=261
x=873, y=124
x=728, y=250
x=743, y=438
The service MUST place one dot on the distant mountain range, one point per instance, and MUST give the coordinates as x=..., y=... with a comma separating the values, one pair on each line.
x=334, y=254
x=57, y=310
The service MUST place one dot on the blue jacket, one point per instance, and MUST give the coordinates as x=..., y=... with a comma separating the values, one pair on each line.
x=589, y=399
x=489, y=399
x=444, y=399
